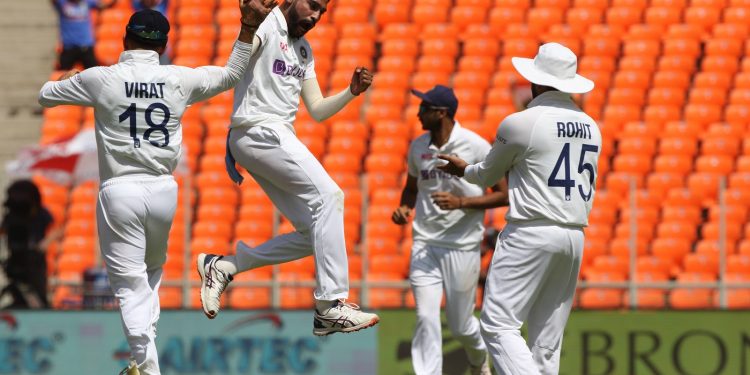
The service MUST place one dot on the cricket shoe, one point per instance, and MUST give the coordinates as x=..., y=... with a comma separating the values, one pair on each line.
x=483, y=369
x=213, y=283
x=132, y=369
x=342, y=317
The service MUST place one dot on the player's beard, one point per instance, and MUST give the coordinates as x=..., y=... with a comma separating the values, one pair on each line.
x=298, y=27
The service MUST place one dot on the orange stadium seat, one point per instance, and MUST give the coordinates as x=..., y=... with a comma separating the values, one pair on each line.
x=520, y=4
x=579, y=19
x=212, y=229
x=703, y=17
x=353, y=146
x=80, y=227
x=500, y=17
x=423, y=14
x=540, y=18
x=686, y=47
x=676, y=230
x=446, y=31
x=662, y=16
x=689, y=298
x=707, y=263
x=635, y=164
x=342, y=15
x=666, y=254
x=439, y=47
x=653, y=265
x=682, y=196
x=592, y=249
x=621, y=247
x=659, y=183
x=384, y=163
x=598, y=298
x=463, y=16
x=739, y=264
x=649, y=48
x=623, y=16
x=386, y=13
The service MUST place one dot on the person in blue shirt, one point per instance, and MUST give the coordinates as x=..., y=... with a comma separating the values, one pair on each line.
x=160, y=6
x=77, y=31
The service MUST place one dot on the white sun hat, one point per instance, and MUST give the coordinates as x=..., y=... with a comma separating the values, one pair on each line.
x=555, y=66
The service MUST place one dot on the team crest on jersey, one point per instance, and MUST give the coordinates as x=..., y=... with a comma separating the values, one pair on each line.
x=284, y=47
x=303, y=52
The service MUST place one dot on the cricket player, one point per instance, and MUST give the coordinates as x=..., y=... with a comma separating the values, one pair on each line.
x=138, y=105
x=550, y=152
x=447, y=232
x=263, y=141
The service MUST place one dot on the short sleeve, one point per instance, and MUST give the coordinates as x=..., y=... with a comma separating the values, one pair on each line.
x=263, y=32
x=411, y=164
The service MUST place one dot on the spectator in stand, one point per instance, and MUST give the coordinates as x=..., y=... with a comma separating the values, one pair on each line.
x=160, y=6
x=26, y=231
x=77, y=31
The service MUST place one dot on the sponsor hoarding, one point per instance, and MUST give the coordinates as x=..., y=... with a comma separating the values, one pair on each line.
x=237, y=342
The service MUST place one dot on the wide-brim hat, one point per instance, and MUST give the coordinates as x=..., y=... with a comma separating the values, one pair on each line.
x=555, y=66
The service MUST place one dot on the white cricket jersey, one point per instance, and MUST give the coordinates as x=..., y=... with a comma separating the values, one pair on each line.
x=550, y=152
x=456, y=229
x=269, y=93
x=138, y=105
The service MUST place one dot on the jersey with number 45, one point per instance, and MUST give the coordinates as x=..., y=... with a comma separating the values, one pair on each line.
x=550, y=152
x=138, y=105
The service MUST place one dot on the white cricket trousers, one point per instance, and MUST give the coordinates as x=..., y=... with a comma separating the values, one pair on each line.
x=432, y=270
x=532, y=279
x=134, y=216
x=304, y=192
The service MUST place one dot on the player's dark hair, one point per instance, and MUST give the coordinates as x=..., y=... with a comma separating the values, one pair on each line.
x=134, y=43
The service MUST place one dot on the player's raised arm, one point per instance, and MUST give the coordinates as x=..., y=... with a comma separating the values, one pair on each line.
x=321, y=108
x=212, y=80
x=72, y=88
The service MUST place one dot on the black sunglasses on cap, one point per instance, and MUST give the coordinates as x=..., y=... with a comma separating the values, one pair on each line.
x=146, y=33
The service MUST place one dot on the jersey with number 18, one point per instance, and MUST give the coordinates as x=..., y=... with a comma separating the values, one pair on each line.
x=138, y=105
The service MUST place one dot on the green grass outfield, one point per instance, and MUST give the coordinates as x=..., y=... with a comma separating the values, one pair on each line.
x=614, y=342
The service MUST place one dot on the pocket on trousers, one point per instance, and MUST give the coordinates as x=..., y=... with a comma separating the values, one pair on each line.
x=263, y=136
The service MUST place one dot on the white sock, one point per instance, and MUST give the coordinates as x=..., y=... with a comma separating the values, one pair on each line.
x=322, y=305
x=227, y=264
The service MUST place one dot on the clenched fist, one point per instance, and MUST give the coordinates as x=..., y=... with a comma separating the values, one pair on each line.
x=255, y=11
x=401, y=215
x=361, y=80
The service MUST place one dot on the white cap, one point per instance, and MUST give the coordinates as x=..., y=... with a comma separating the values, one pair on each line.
x=555, y=66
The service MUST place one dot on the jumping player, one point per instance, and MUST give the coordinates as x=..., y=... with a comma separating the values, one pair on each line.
x=138, y=105
x=447, y=231
x=550, y=152
x=263, y=141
